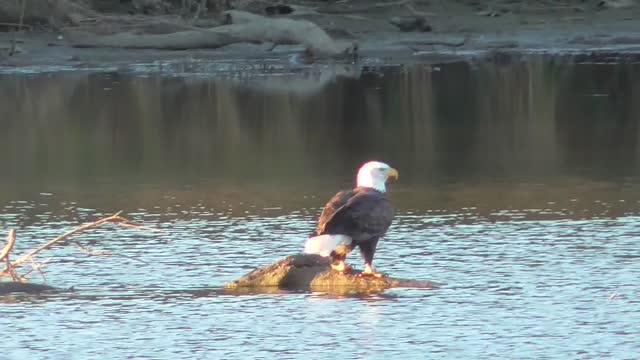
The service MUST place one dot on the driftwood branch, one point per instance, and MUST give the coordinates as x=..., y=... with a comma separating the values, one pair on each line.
x=246, y=28
x=313, y=272
x=29, y=256
x=11, y=241
x=4, y=256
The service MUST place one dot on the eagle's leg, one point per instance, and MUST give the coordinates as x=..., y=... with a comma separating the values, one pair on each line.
x=340, y=266
x=338, y=258
x=367, y=249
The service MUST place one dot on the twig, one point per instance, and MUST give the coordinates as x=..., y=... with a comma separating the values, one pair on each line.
x=4, y=256
x=133, y=258
x=129, y=224
x=11, y=240
x=90, y=252
x=38, y=267
x=12, y=272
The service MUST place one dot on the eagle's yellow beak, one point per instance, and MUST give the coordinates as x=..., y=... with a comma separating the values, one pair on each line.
x=392, y=173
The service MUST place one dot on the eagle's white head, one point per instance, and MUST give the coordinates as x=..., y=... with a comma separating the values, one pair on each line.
x=374, y=174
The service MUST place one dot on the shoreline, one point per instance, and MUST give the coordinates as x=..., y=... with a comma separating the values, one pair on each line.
x=459, y=35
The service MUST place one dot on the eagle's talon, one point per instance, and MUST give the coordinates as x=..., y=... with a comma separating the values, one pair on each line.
x=369, y=274
x=341, y=267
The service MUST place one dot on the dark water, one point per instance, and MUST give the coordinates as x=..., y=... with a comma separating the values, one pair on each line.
x=519, y=190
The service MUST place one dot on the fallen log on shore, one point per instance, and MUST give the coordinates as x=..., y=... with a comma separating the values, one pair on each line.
x=304, y=271
x=243, y=28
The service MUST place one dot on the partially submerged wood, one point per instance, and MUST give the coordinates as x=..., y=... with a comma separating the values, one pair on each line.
x=13, y=287
x=249, y=28
x=10, y=266
x=313, y=272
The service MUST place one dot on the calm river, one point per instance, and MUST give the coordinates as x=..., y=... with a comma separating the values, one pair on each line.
x=519, y=191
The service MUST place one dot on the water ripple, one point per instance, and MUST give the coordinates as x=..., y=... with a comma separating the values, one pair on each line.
x=518, y=288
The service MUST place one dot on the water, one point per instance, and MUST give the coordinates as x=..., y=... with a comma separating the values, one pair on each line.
x=519, y=191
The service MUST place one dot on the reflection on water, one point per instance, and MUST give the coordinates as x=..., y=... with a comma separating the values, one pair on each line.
x=519, y=190
x=529, y=121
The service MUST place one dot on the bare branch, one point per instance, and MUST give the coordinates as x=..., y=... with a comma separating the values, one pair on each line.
x=4, y=256
x=25, y=257
x=90, y=252
x=133, y=258
x=11, y=240
x=38, y=267
x=129, y=224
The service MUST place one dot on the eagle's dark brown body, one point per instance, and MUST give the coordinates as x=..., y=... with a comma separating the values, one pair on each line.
x=364, y=214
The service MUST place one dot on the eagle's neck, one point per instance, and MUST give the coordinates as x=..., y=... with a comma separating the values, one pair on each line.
x=371, y=184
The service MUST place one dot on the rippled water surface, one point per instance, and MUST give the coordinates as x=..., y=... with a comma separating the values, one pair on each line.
x=518, y=191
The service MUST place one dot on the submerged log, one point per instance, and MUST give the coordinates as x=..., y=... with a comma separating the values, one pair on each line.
x=11, y=287
x=303, y=271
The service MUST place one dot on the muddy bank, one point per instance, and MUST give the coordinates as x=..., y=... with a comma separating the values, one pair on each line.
x=458, y=30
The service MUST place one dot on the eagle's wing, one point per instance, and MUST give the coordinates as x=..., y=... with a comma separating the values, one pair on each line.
x=334, y=204
x=364, y=215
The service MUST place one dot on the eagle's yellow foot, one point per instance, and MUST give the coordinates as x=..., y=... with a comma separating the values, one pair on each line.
x=341, y=267
x=370, y=271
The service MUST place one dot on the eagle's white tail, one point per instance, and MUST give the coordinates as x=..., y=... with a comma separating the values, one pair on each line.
x=323, y=245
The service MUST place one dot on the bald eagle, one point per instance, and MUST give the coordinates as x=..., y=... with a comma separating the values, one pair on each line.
x=357, y=217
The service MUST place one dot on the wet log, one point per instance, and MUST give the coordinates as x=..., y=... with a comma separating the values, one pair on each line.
x=303, y=271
